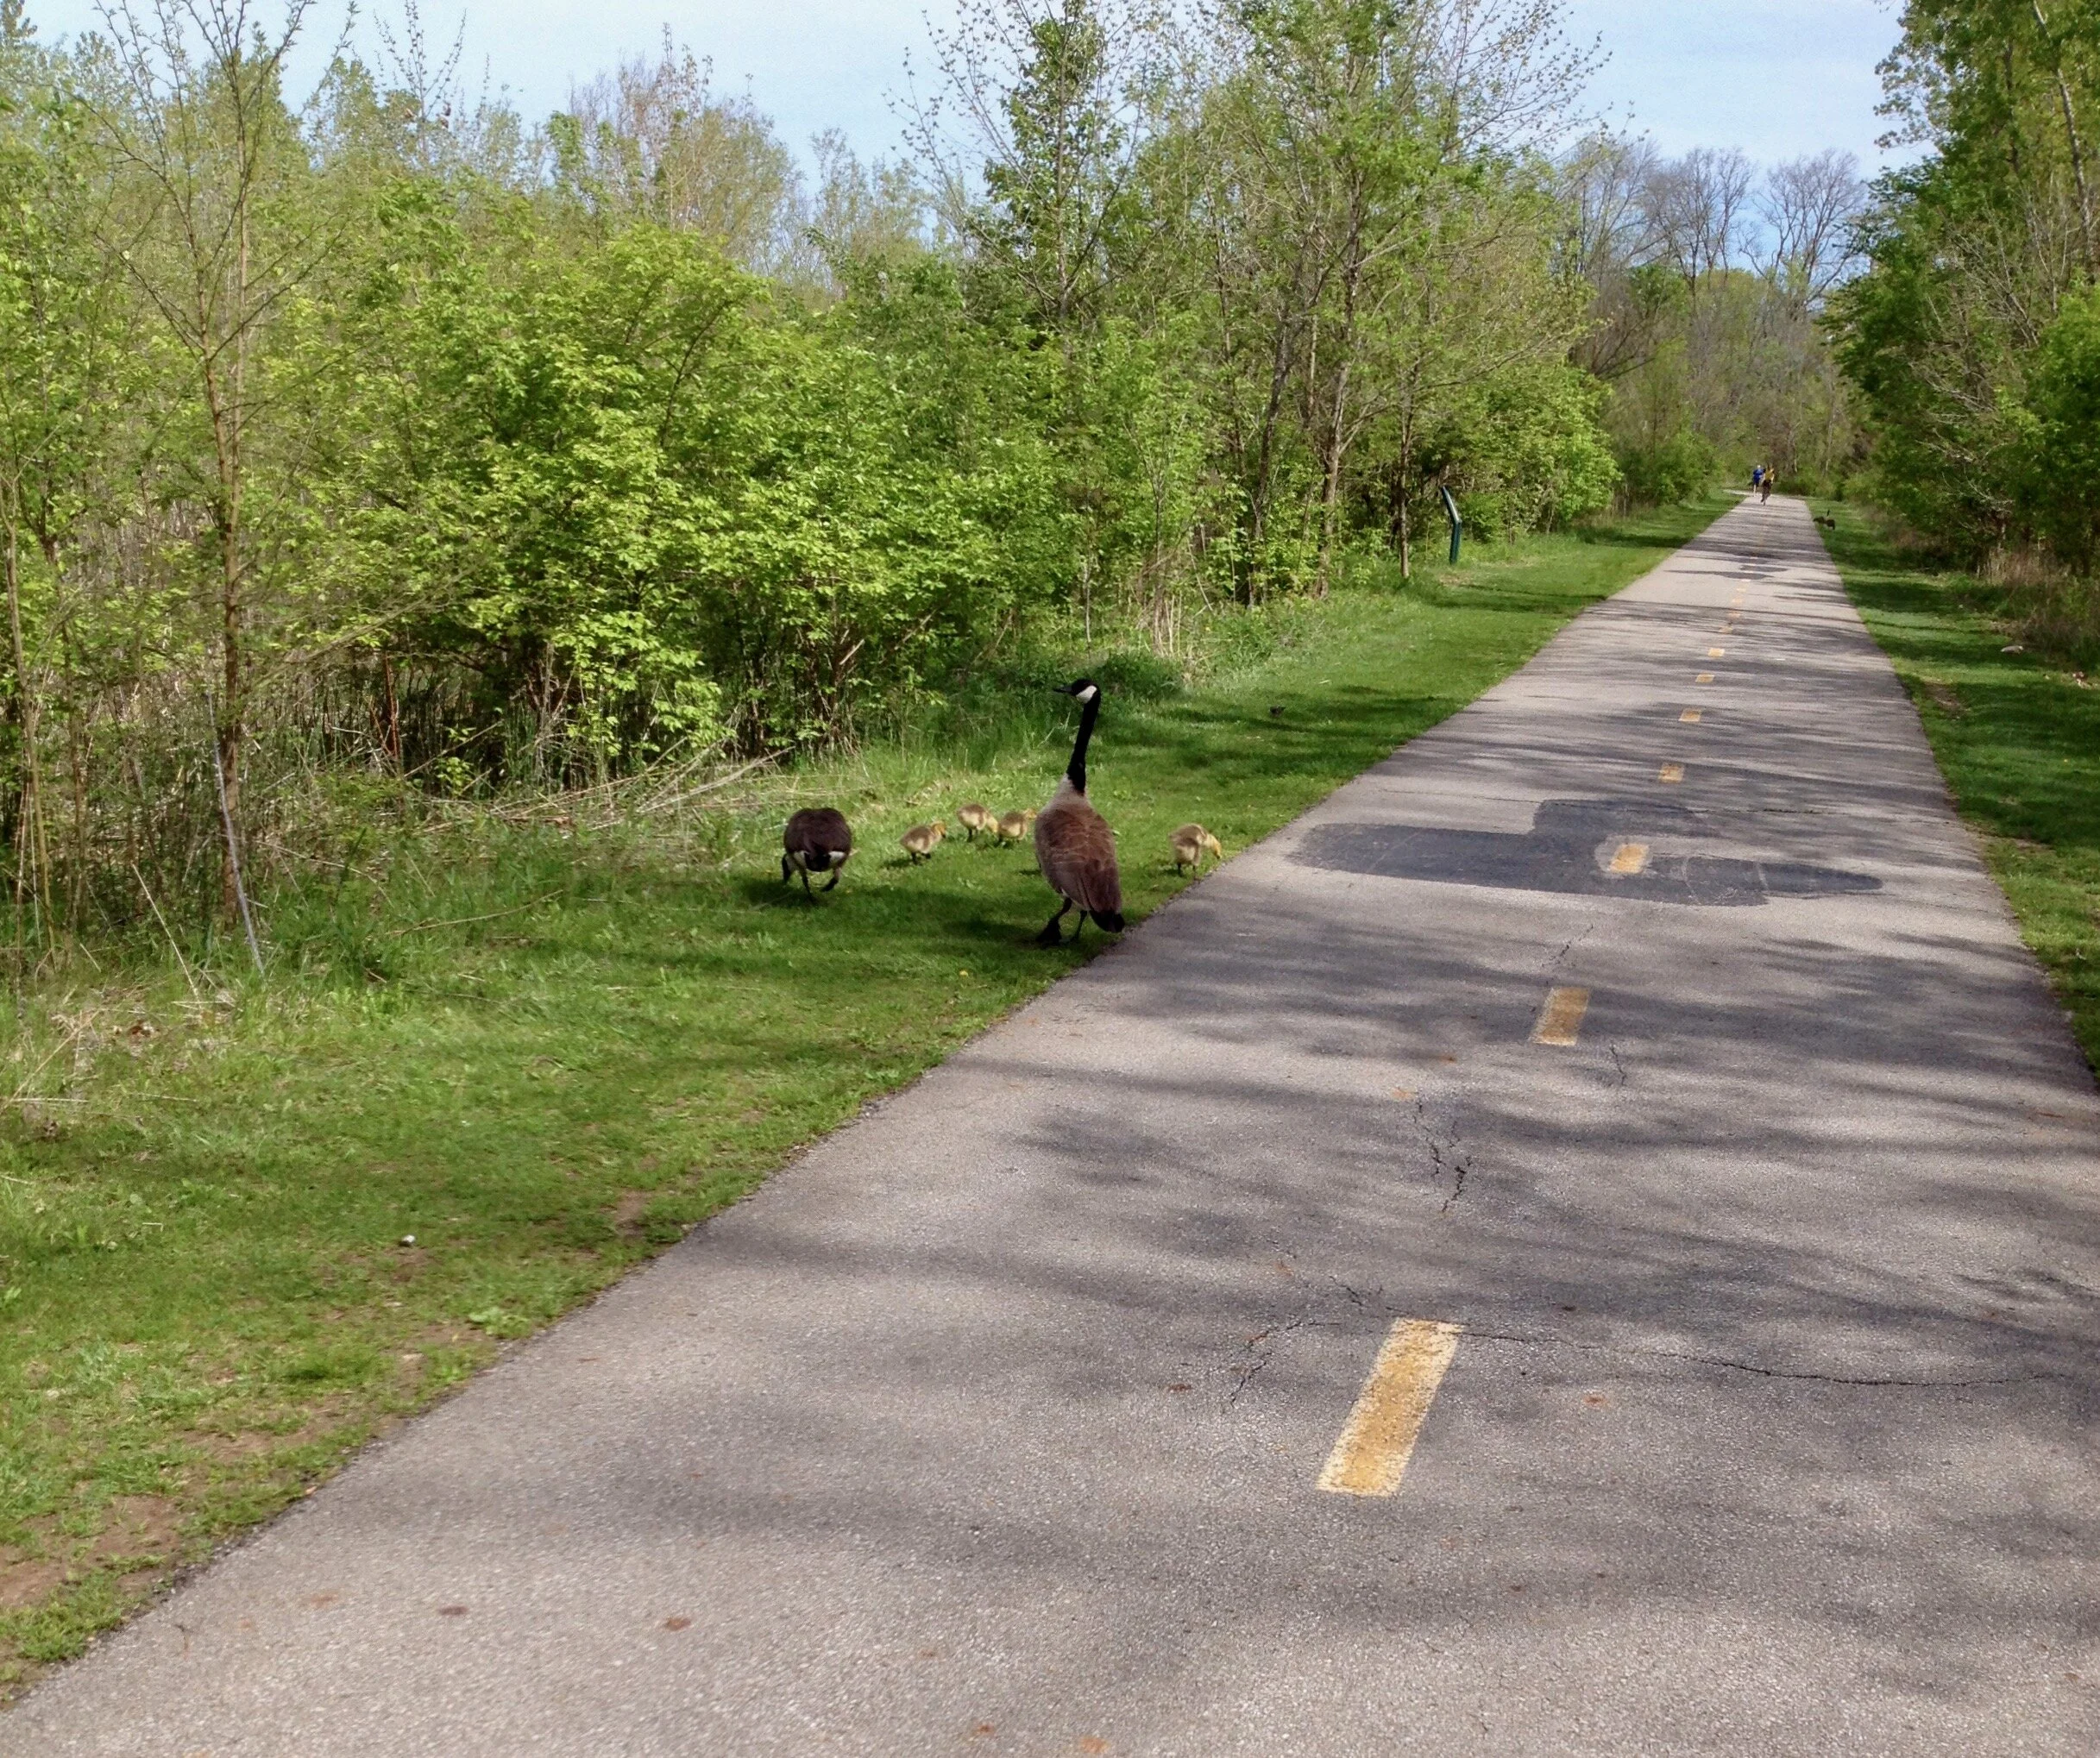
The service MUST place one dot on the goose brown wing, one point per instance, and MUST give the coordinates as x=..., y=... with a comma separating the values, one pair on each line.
x=1076, y=853
x=819, y=829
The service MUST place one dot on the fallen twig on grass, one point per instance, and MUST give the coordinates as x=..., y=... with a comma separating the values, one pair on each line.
x=165, y=929
x=713, y=787
x=459, y=921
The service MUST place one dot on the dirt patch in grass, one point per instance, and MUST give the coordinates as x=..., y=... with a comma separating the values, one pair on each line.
x=135, y=1526
x=144, y=1531
x=254, y=1444
x=29, y=1580
x=626, y=1213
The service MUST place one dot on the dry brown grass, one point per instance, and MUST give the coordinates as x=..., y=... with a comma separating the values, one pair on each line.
x=2046, y=607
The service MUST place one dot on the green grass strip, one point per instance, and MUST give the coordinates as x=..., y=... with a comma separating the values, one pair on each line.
x=544, y=1054
x=2017, y=736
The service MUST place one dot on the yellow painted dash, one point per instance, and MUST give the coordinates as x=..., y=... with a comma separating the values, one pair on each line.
x=1560, y=1021
x=1670, y=772
x=1371, y=1456
x=1690, y=714
x=1717, y=653
x=1704, y=677
x=1630, y=857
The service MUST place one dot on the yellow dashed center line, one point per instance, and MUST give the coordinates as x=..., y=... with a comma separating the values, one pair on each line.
x=1704, y=677
x=1670, y=772
x=1690, y=714
x=1717, y=653
x=1630, y=857
x=1371, y=1456
x=1559, y=1020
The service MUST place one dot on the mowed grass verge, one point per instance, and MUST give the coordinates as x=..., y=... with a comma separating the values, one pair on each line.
x=544, y=1056
x=2017, y=736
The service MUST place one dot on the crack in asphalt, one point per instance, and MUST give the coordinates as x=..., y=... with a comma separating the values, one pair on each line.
x=1245, y=1375
x=1309, y=1319
x=1568, y=945
x=1459, y=1163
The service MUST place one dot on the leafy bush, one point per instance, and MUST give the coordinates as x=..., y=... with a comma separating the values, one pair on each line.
x=1677, y=470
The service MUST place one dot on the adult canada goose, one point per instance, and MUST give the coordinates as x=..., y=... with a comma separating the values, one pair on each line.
x=1075, y=849
x=1189, y=844
x=1016, y=825
x=921, y=839
x=817, y=841
x=974, y=817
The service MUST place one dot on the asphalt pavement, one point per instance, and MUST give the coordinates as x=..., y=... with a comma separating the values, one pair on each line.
x=1653, y=1122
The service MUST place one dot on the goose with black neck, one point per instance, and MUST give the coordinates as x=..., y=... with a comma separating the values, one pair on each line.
x=1075, y=849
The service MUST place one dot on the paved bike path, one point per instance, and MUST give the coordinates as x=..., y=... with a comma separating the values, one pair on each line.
x=997, y=1423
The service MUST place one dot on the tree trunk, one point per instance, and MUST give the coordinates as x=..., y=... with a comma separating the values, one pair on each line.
x=76, y=891
x=229, y=731
x=2077, y=149
x=33, y=857
x=392, y=733
x=1265, y=456
x=224, y=403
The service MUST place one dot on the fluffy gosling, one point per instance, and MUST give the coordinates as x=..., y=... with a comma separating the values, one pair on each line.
x=974, y=817
x=921, y=839
x=1017, y=824
x=1190, y=843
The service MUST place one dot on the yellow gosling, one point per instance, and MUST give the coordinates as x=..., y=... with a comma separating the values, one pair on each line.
x=921, y=839
x=1191, y=843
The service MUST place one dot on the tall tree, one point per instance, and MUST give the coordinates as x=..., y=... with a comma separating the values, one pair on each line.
x=64, y=368
x=193, y=110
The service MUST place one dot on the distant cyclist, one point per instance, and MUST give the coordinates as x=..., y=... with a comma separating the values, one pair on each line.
x=1765, y=487
x=1757, y=478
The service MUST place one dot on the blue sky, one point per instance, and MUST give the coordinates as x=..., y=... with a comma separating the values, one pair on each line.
x=1774, y=78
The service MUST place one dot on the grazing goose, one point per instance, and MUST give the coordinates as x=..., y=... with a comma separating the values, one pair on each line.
x=1189, y=844
x=1014, y=825
x=817, y=841
x=1074, y=847
x=921, y=839
x=974, y=817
